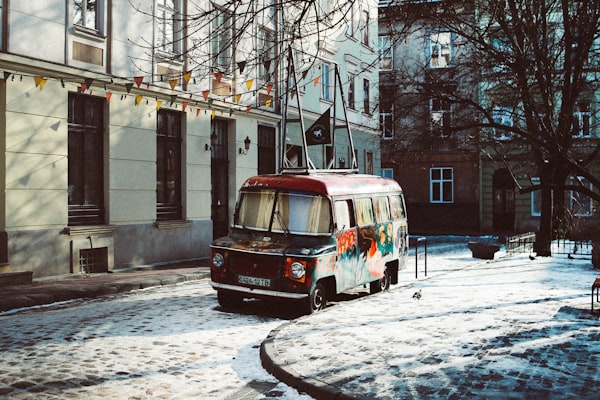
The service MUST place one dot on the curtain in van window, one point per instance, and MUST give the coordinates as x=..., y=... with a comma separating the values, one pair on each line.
x=255, y=209
x=382, y=211
x=319, y=215
x=397, y=208
x=364, y=212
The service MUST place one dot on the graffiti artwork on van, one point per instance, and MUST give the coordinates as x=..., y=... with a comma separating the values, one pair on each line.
x=361, y=254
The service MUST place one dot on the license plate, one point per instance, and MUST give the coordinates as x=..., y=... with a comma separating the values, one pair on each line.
x=250, y=280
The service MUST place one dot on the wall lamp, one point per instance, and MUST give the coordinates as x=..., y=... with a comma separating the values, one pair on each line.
x=213, y=142
x=246, y=146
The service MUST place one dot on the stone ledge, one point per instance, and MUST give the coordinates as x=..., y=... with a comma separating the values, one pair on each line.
x=16, y=278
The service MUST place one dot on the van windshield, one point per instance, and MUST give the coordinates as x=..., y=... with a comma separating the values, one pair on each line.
x=285, y=212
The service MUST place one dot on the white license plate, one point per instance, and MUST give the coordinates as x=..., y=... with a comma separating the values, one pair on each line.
x=250, y=280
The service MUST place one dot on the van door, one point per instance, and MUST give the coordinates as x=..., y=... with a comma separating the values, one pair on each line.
x=347, y=245
x=370, y=262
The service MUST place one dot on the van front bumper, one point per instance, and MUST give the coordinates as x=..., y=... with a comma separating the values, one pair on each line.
x=258, y=292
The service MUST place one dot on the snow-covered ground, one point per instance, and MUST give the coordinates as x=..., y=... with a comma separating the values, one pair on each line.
x=508, y=328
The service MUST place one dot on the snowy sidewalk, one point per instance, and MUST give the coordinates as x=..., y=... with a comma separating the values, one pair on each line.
x=509, y=328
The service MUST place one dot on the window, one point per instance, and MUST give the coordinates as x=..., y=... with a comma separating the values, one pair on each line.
x=221, y=41
x=581, y=204
x=582, y=118
x=266, y=45
x=86, y=159
x=365, y=27
x=397, y=207
x=440, y=50
x=168, y=26
x=366, y=96
x=326, y=82
x=441, y=185
x=344, y=215
x=386, y=56
x=502, y=116
x=382, y=209
x=86, y=13
x=441, y=117
x=351, y=21
x=364, y=212
x=536, y=199
x=168, y=165
x=369, y=163
x=351, y=91
x=386, y=123
x=387, y=173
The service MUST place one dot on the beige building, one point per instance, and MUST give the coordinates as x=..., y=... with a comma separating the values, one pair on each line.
x=125, y=132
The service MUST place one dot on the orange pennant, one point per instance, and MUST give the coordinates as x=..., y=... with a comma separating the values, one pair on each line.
x=316, y=81
x=205, y=94
x=108, y=96
x=269, y=88
x=218, y=76
x=184, y=105
x=138, y=80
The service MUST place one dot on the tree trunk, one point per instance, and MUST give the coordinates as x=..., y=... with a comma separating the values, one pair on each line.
x=543, y=238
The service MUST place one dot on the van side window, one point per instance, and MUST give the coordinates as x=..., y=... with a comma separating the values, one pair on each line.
x=344, y=215
x=397, y=207
x=382, y=209
x=364, y=211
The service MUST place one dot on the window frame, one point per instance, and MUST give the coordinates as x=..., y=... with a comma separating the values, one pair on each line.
x=99, y=25
x=577, y=199
x=86, y=167
x=386, y=119
x=366, y=96
x=326, y=87
x=442, y=125
x=386, y=53
x=171, y=139
x=437, y=46
x=364, y=37
x=502, y=115
x=221, y=46
x=536, y=198
x=266, y=46
x=440, y=183
x=351, y=94
x=172, y=46
x=582, y=120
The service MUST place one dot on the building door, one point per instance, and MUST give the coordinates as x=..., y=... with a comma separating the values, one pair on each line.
x=266, y=150
x=504, y=201
x=219, y=168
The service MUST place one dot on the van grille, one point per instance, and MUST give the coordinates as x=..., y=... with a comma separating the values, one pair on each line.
x=257, y=265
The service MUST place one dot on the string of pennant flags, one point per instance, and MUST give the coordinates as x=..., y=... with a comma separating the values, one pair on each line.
x=138, y=81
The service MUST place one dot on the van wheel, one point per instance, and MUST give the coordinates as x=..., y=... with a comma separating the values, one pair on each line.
x=317, y=299
x=229, y=300
x=381, y=284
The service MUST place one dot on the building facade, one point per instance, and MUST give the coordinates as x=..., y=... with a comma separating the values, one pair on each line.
x=126, y=129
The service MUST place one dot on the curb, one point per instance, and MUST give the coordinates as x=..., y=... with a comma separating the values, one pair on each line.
x=318, y=389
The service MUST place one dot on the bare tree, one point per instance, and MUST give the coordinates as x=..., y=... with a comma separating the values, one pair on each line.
x=528, y=86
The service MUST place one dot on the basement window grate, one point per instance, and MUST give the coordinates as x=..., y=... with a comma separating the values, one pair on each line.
x=93, y=260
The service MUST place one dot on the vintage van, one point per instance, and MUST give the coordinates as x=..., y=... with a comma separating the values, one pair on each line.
x=306, y=237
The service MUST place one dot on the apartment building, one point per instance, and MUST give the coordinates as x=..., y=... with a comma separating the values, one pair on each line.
x=127, y=127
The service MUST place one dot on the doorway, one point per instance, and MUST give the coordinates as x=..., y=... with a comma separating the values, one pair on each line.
x=219, y=170
x=504, y=201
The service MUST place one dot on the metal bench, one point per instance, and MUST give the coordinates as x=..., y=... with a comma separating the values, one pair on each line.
x=596, y=287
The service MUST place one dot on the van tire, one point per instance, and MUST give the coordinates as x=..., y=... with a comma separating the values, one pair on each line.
x=317, y=299
x=380, y=284
x=229, y=300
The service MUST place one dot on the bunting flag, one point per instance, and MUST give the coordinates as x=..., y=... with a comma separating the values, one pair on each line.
x=187, y=76
x=249, y=83
x=267, y=65
x=128, y=87
x=319, y=131
x=172, y=83
x=108, y=96
x=89, y=82
x=138, y=80
x=269, y=88
x=83, y=87
x=241, y=65
x=248, y=108
x=6, y=75
x=158, y=104
x=197, y=112
x=268, y=104
x=184, y=105
x=304, y=73
x=316, y=81
x=205, y=94
x=212, y=114
x=40, y=81
x=218, y=76
x=138, y=99
x=238, y=97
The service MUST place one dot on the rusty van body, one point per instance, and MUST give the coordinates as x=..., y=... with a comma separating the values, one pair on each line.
x=306, y=237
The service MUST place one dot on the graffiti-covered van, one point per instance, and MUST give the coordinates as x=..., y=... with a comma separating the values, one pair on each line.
x=305, y=237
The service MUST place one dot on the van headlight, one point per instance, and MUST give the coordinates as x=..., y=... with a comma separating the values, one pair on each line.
x=297, y=270
x=218, y=260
